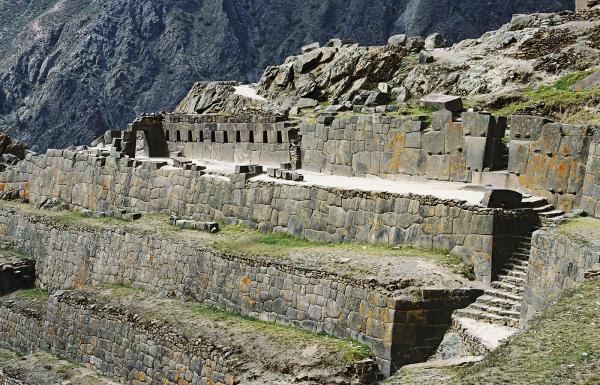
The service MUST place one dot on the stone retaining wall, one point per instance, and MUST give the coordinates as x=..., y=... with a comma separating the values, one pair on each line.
x=311, y=212
x=556, y=265
x=590, y=199
x=550, y=159
x=114, y=341
x=398, y=331
x=389, y=147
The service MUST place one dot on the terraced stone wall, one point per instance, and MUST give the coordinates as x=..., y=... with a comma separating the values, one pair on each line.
x=114, y=341
x=311, y=212
x=257, y=140
x=590, y=197
x=557, y=264
x=448, y=150
x=550, y=159
x=398, y=331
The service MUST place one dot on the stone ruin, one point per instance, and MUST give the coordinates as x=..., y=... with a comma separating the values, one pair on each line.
x=343, y=177
x=467, y=182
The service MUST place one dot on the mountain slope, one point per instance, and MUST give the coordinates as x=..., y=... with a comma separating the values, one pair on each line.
x=70, y=69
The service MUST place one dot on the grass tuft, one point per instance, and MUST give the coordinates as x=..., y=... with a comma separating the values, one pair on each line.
x=35, y=294
x=559, y=101
x=352, y=350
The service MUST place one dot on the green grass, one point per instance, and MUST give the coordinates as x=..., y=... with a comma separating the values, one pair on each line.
x=585, y=230
x=121, y=291
x=35, y=294
x=14, y=253
x=352, y=350
x=558, y=100
x=414, y=110
x=240, y=239
x=560, y=347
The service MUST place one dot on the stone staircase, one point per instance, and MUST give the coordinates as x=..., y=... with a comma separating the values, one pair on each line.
x=542, y=207
x=501, y=304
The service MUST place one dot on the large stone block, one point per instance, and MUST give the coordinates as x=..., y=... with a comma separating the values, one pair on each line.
x=527, y=128
x=518, y=155
x=483, y=124
x=443, y=102
x=412, y=162
x=434, y=142
x=475, y=153
x=440, y=119
x=454, y=139
x=438, y=167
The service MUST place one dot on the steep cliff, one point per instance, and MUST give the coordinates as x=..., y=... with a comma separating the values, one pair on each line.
x=70, y=69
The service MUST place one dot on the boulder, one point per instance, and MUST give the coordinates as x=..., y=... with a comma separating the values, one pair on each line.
x=399, y=40
x=426, y=57
x=435, y=40
x=307, y=103
x=383, y=87
x=401, y=94
x=310, y=47
x=415, y=43
x=591, y=81
x=377, y=98
x=335, y=43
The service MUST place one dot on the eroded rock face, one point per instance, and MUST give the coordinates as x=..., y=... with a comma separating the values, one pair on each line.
x=71, y=70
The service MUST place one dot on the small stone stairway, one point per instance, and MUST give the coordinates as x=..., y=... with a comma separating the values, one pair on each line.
x=541, y=206
x=501, y=304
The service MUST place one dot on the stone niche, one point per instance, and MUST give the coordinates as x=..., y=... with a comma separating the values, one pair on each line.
x=16, y=275
x=257, y=140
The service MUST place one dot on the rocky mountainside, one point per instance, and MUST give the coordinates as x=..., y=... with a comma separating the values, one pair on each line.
x=70, y=69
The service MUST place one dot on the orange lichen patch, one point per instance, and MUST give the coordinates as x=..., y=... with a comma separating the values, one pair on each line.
x=2, y=187
x=246, y=281
x=24, y=194
x=396, y=146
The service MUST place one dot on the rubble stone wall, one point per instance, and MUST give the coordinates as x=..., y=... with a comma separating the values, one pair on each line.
x=311, y=212
x=388, y=147
x=398, y=331
x=590, y=199
x=550, y=159
x=114, y=343
x=247, y=140
x=556, y=264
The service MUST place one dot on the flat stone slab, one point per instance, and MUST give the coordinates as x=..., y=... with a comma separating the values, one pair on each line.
x=491, y=336
x=443, y=102
x=459, y=361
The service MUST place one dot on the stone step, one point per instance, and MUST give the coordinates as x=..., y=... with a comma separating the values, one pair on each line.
x=517, y=281
x=543, y=209
x=486, y=317
x=514, y=273
x=512, y=266
x=498, y=293
x=504, y=303
x=496, y=310
x=553, y=214
x=506, y=286
x=520, y=256
x=532, y=202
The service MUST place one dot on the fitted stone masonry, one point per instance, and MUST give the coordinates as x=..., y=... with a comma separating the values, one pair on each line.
x=398, y=329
